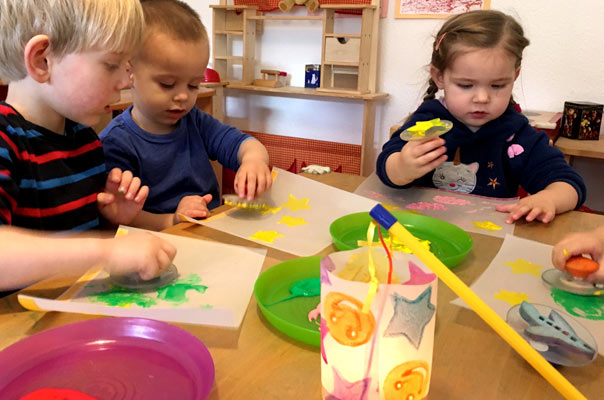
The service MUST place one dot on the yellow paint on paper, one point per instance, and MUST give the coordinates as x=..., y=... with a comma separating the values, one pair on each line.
x=297, y=204
x=266, y=236
x=121, y=232
x=521, y=266
x=292, y=221
x=390, y=207
x=512, y=298
x=486, y=225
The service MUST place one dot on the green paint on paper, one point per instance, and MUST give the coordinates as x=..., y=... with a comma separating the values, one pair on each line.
x=176, y=292
x=590, y=307
x=207, y=306
x=121, y=297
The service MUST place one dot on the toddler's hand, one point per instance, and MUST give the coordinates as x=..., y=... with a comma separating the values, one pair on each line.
x=193, y=206
x=577, y=244
x=539, y=206
x=253, y=178
x=416, y=159
x=123, y=197
x=139, y=252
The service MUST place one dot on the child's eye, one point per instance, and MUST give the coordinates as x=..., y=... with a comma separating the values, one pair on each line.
x=497, y=86
x=464, y=86
x=112, y=67
x=166, y=85
x=193, y=87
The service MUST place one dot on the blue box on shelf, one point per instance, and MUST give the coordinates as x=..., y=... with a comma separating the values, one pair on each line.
x=312, y=75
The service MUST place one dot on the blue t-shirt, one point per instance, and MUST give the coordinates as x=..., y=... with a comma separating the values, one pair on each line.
x=494, y=161
x=176, y=164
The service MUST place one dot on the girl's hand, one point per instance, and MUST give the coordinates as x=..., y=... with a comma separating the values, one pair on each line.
x=193, y=206
x=123, y=197
x=577, y=244
x=415, y=160
x=139, y=252
x=253, y=178
x=539, y=206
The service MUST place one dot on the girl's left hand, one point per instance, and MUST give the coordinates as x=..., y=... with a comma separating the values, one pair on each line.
x=123, y=197
x=253, y=178
x=539, y=206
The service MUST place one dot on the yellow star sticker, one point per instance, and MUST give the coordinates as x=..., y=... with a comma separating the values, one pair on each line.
x=420, y=127
x=292, y=221
x=486, y=225
x=493, y=182
x=512, y=298
x=521, y=266
x=297, y=204
x=490, y=164
x=266, y=236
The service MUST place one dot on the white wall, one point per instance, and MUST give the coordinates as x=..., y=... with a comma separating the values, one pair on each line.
x=565, y=61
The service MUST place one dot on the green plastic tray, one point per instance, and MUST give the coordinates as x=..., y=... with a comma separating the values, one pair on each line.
x=448, y=242
x=290, y=317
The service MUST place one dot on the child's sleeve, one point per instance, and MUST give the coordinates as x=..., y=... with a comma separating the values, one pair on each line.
x=222, y=141
x=545, y=165
x=9, y=189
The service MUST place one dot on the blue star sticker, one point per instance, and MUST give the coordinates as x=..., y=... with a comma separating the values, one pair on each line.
x=411, y=317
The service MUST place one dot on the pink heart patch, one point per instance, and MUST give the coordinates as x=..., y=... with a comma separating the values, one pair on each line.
x=515, y=150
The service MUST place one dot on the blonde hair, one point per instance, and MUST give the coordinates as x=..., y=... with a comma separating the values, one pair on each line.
x=482, y=29
x=174, y=18
x=72, y=26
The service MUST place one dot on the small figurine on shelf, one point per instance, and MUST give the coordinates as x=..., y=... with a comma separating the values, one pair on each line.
x=311, y=5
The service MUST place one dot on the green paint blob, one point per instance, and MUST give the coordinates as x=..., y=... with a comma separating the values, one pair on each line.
x=590, y=307
x=176, y=292
x=121, y=297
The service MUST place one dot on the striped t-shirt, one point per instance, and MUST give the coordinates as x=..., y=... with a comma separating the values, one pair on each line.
x=48, y=181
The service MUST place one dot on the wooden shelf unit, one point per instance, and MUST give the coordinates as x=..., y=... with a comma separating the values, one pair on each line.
x=348, y=60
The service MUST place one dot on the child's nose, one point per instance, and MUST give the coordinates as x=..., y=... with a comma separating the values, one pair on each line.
x=481, y=96
x=181, y=95
x=125, y=80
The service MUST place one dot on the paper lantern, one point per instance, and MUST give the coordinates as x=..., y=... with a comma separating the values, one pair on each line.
x=384, y=351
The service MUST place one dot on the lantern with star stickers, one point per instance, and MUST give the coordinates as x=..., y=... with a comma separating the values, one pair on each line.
x=376, y=338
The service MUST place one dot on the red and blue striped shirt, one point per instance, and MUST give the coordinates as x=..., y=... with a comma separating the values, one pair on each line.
x=49, y=181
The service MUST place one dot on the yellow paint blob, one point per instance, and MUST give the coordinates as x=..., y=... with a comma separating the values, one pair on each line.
x=297, y=204
x=486, y=225
x=266, y=236
x=292, y=221
x=521, y=266
x=512, y=298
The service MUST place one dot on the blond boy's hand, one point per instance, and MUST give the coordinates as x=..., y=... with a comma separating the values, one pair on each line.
x=139, y=252
x=415, y=160
x=123, y=197
x=193, y=206
x=253, y=178
x=577, y=244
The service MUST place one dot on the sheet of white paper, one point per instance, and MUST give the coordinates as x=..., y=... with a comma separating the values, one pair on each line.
x=214, y=287
x=469, y=212
x=515, y=275
x=304, y=210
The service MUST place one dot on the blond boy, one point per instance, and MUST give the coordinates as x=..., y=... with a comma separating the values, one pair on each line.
x=164, y=138
x=65, y=62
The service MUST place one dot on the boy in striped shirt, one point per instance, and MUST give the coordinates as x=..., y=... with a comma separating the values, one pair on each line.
x=65, y=61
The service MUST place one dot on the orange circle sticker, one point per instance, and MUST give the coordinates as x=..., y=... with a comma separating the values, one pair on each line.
x=346, y=322
x=407, y=381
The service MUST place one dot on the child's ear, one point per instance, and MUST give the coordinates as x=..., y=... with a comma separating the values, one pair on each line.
x=437, y=77
x=36, y=54
x=517, y=73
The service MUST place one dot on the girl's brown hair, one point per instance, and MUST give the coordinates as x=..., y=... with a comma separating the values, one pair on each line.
x=481, y=29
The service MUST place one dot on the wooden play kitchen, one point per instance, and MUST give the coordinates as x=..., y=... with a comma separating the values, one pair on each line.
x=348, y=60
